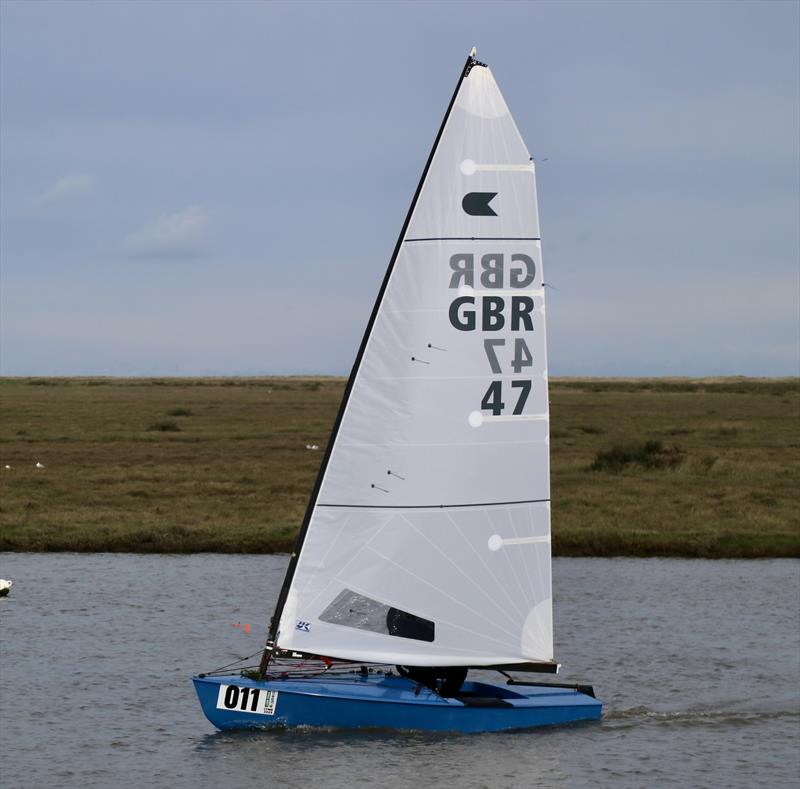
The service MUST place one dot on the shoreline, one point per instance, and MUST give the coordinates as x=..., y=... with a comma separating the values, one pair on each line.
x=221, y=465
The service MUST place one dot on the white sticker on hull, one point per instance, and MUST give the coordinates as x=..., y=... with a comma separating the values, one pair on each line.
x=256, y=700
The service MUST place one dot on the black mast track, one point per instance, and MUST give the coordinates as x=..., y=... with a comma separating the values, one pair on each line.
x=295, y=556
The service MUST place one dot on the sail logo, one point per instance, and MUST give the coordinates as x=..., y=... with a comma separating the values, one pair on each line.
x=477, y=203
x=304, y=626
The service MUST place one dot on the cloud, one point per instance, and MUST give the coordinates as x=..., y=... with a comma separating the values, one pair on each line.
x=179, y=235
x=65, y=187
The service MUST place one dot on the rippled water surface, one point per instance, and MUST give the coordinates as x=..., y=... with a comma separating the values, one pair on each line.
x=698, y=664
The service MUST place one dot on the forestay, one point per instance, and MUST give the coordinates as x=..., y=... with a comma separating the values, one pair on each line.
x=428, y=539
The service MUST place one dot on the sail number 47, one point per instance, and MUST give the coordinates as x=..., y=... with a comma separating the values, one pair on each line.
x=258, y=700
x=493, y=399
x=522, y=354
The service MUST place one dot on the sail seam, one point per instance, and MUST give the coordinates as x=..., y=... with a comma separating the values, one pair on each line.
x=407, y=444
x=476, y=238
x=431, y=506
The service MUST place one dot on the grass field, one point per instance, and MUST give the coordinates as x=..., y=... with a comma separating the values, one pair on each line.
x=640, y=467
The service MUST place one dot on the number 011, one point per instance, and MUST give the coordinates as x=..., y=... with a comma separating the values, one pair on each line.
x=233, y=697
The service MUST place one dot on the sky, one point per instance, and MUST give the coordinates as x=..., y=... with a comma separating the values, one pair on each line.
x=202, y=188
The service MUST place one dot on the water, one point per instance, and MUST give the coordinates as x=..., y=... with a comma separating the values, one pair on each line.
x=697, y=662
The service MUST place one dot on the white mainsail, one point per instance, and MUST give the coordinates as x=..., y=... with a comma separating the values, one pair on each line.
x=427, y=541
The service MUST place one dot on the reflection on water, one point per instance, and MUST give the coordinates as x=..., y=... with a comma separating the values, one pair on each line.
x=697, y=663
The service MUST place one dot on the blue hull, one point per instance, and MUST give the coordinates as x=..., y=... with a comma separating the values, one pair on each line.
x=380, y=701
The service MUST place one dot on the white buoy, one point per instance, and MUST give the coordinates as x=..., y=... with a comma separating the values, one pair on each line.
x=39, y=465
x=7, y=466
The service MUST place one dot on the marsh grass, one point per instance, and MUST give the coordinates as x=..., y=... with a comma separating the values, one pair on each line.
x=591, y=430
x=236, y=476
x=648, y=455
x=164, y=426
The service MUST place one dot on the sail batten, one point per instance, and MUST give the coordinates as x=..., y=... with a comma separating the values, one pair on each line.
x=429, y=525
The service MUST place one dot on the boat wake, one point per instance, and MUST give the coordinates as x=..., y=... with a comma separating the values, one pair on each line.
x=634, y=716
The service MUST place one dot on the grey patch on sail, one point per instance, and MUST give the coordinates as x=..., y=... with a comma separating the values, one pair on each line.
x=477, y=203
x=350, y=609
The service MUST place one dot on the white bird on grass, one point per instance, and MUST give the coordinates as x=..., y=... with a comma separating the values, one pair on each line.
x=39, y=465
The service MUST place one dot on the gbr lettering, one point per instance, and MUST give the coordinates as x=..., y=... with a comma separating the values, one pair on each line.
x=495, y=313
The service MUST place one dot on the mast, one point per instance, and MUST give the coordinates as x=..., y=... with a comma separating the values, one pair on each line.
x=471, y=62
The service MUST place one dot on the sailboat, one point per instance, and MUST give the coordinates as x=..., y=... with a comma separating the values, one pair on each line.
x=425, y=549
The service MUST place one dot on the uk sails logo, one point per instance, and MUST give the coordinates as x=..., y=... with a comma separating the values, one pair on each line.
x=304, y=626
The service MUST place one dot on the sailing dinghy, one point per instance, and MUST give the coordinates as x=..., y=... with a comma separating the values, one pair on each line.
x=425, y=548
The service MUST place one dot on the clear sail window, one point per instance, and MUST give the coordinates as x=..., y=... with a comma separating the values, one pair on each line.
x=350, y=609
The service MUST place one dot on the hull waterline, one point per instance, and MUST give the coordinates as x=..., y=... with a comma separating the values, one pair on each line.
x=385, y=701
